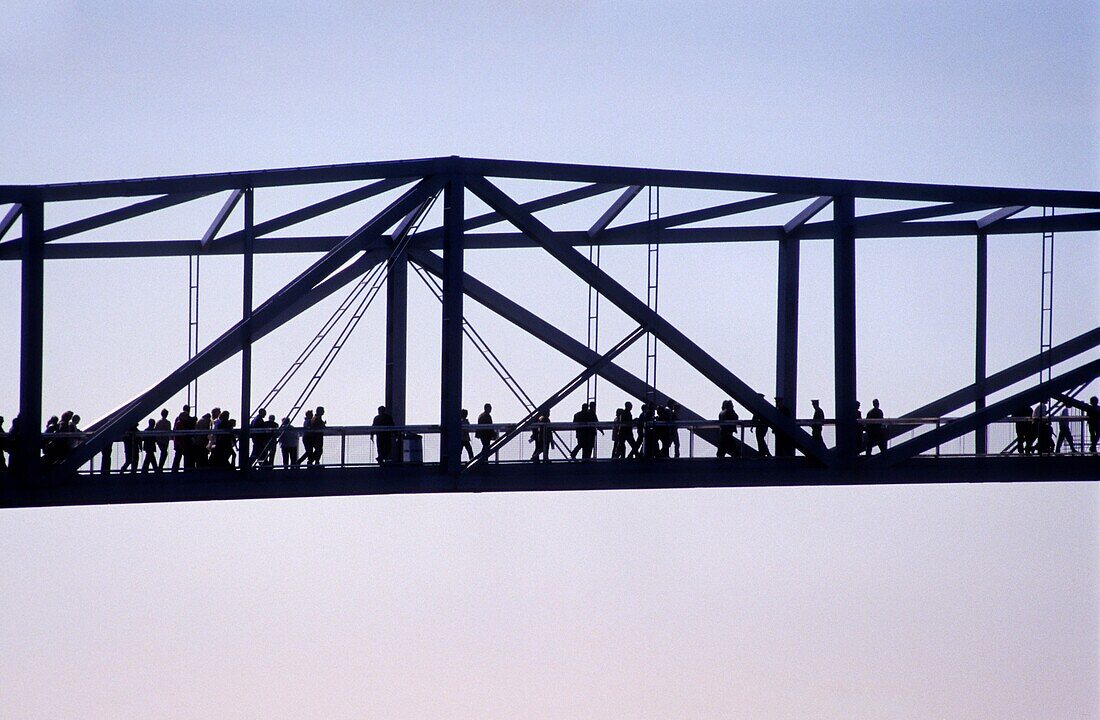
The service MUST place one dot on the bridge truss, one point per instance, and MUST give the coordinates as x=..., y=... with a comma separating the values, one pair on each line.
x=390, y=237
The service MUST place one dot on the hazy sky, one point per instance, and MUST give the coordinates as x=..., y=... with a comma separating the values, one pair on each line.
x=903, y=602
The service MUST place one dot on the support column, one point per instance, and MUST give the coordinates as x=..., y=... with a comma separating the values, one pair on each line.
x=244, y=451
x=844, y=329
x=451, y=381
x=31, y=302
x=786, y=331
x=981, y=435
x=397, y=324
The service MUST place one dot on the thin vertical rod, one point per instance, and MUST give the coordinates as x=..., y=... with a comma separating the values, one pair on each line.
x=31, y=303
x=844, y=329
x=981, y=435
x=786, y=335
x=246, y=315
x=451, y=366
x=397, y=323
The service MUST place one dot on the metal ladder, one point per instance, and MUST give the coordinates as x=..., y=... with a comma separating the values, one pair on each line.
x=653, y=267
x=1046, y=314
x=361, y=296
x=192, y=325
x=593, y=342
x=490, y=357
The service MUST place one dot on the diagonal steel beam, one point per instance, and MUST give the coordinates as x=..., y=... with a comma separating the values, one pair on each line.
x=920, y=213
x=613, y=212
x=807, y=214
x=997, y=216
x=267, y=316
x=221, y=217
x=710, y=213
x=996, y=411
x=435, y=235
x=548, y=404
x=573, y=349
x=314, y=210
x=353, y=270
x=9, y=219
x=1000, y=380
x=124, y=213
x=643, y=315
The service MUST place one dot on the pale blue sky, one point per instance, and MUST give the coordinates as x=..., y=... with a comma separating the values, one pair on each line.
x=921, y=602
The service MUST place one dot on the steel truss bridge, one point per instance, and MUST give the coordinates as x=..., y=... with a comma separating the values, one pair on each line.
x=394, y=240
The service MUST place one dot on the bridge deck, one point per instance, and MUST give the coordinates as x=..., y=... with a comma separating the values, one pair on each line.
x=263, y=483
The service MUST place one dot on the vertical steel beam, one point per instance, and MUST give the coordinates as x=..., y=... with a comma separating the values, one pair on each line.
x=786, y=334
x=243, y=452
x=451, y=380
x=844, y=329
x=31, y=302
x=397, y=324
x=981, y=435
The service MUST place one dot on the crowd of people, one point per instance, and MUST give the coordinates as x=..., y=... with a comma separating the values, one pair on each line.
x=1035, y=428
x=213, y=440
x=210, y=440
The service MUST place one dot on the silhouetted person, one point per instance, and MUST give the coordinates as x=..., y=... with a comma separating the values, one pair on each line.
x=579, y=417
x=163, y=425
x=149, y=445
x=1091, y=410
x=271, y=430
x=662, y=430
x=628, y=431
x=464, y=423
x=200, y=443
x=223, y=441
x=618, y=436
x=307, y=438
x=486, y=435
x=673, y=431
x=726, y=429
x=818, y=423
x=318, y=426
x=258, y=436
x=541, y=437
x=586, y=436
x=63, y=444
x=1064, y=434
x=1024, y=436
x=52, y=445
x=288, y=443
x=182, y=444
x=861, y=430
x=1044, y=430
x=13, y=445
x=131, y=448
x=1093, y=413
x=215, y=416
x=384, y=440
x=232, y=427
x=3, y=445
x=647, y=436
x=876, y=431
x=760, y=428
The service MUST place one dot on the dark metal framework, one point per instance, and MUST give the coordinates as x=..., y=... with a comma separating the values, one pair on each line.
x=934, y=212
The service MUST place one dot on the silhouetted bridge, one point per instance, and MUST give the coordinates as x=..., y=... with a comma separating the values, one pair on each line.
x=392, y=240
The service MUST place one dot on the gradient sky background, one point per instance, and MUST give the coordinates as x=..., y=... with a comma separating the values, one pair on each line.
x=902, y=602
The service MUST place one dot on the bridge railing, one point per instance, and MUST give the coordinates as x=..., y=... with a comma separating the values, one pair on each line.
x=358, y=445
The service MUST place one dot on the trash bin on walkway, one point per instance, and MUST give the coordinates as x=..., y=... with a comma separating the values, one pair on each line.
x=412, y=449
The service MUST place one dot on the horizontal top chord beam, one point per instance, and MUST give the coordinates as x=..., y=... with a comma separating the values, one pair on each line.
x=560, y=172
